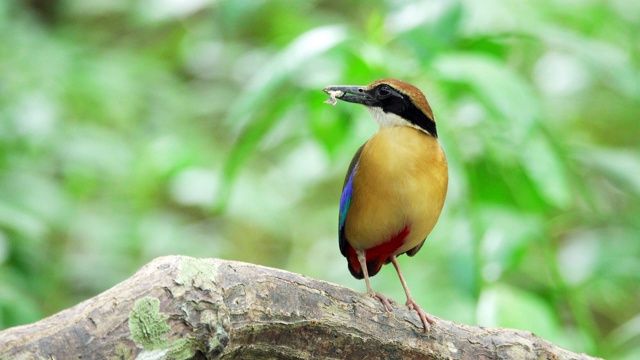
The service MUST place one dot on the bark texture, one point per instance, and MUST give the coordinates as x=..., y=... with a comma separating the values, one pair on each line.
x=178, y=307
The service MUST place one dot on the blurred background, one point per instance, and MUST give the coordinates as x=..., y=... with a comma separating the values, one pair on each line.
x=135, y=129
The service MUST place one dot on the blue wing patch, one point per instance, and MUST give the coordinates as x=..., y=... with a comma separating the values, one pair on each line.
x=345, y=202
x=345, y=199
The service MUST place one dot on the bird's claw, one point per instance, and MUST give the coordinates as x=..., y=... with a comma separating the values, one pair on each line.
x=385, y=300
x=424, y=318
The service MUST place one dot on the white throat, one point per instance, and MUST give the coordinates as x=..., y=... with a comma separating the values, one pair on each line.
x=390, y=119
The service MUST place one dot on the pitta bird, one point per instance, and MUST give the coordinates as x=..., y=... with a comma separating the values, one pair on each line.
x=396, y=184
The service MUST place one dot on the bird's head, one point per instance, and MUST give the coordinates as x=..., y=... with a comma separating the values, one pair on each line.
x=391, y=103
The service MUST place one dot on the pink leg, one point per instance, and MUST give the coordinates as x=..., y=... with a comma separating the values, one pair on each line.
x=426, y=320
x=363, y=264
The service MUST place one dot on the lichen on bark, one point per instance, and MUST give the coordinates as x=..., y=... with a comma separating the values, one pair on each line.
x=148, y=325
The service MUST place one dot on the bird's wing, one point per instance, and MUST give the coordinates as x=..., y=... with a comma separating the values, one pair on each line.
x=415, y=250
x=345, y=200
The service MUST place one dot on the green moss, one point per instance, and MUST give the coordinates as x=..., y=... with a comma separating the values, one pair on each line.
x=214, y=343
x=182, y=349
x=122, y=351
x=199, y=272
x=148, y=325
x=24, y=356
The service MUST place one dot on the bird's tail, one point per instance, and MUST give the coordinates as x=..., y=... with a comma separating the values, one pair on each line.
x=373, y=265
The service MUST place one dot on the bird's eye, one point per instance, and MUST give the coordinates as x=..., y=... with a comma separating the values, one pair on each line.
x=384, y=91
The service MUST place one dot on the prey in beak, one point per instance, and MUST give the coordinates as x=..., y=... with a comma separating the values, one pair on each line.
x=349, y=93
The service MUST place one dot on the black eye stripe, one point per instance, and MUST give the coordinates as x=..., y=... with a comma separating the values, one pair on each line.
x=393, y=101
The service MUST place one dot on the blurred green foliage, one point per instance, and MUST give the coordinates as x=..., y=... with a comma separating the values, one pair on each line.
x=135, y=129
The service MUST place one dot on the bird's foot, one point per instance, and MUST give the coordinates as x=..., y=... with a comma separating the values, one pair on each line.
x=426, y=320
x=385, y=300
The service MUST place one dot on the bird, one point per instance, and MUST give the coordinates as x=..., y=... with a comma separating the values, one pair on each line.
x=396, y=183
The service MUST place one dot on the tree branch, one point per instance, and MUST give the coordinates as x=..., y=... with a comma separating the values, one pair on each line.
x=178, y=307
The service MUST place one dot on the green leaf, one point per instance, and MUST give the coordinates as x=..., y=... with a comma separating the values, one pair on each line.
x=264, y=94
x=500, y=88
x=610, y=63
x=329, y=126
x=542, y=164
x=620, y=166
x=507, y=234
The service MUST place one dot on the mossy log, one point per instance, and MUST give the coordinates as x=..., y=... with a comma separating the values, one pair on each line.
x=178, y=307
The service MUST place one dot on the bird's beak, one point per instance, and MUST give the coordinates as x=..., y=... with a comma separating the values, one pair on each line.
x=350, y=93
